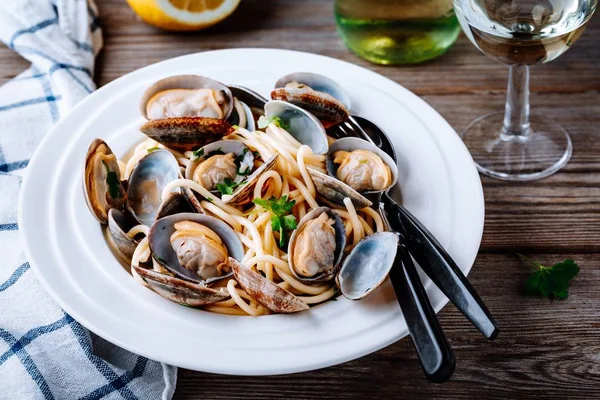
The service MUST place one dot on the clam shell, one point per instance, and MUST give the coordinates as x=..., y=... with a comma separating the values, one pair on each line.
x=163, y=253
x=303, y=126
x=118, y=225
x=352, y=143
x=176, y=203
x=186, y=82
x=97, y=210
x=340, y=244
x=178, y=290
x=146, y=183
x=267, y=293
x=244, y=193
x=186, y=133
x=328, y=101
x=367, y=265
x=226, y=146
x=334, y=191
x=247, y=118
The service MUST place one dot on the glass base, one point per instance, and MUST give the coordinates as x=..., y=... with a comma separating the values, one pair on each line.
x=545, y=150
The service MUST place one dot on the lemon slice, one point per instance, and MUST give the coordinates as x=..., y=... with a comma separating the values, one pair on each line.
x=183, y=15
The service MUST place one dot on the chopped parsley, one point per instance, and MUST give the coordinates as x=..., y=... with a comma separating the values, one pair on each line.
x=113, y=182
x=217, y=152
x=199, y=153
x=150, y=150
x=238, y=162
x=263, y=122
x=282, y=220
x=227, y=186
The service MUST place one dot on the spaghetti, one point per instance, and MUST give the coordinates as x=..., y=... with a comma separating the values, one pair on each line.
x=252, y=222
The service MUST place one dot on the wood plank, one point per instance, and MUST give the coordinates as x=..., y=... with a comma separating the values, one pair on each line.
x=308, y=26
x=545, y=350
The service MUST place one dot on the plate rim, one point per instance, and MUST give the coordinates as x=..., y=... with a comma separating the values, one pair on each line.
x=416, y=101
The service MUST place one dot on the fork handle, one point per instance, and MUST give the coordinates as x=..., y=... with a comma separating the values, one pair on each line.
x=433, y=349
x=440, y=267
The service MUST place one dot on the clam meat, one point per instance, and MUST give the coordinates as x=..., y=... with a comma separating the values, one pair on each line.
x=362, y=170
x=317, y=245
x=199, y=249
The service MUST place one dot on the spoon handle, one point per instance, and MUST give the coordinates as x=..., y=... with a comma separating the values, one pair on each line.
x=435, y=354
x=440, y=267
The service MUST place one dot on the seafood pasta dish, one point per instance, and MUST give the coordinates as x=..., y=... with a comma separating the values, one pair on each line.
x=240, y=205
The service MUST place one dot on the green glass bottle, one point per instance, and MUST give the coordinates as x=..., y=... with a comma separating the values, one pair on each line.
x=397, y=31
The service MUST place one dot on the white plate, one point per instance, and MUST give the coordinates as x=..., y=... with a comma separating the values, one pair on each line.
x=70, y=256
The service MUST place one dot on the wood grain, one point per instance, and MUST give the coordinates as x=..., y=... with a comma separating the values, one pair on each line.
x=546, y=349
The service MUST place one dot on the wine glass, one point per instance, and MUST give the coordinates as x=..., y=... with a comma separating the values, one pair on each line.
x=516, y=145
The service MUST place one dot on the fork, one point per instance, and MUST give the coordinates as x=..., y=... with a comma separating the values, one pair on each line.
x=423, y=246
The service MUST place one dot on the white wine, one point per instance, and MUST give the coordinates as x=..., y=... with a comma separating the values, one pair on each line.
x=524, y=31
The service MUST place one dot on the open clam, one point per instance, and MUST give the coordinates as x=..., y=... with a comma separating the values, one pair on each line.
x=195, y=247
x=317, y=245
x=355, y=169
x=367, y=265
x=185, y=112
x=254, y=101
x=242, y=116
x=299, y=123
x=267, y=293
x=102, y=185
x=119, y=223
x=146, y=183
x=227, y=168
x=315, y=93
x=179, y=290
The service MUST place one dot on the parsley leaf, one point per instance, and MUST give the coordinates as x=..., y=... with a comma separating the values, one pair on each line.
x=216, y=152
x=113, y=182
x=263, y=122
x=551, y=281
x=199, y=153
x=289, y=222
x=282, y=220
x=227, y=186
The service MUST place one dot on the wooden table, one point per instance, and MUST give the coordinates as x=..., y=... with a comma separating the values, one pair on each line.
x=546, y=349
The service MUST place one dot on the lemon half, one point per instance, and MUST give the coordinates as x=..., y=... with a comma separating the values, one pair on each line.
x=183, y=15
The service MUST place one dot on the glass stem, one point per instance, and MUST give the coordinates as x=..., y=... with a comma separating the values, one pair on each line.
x=516, y=114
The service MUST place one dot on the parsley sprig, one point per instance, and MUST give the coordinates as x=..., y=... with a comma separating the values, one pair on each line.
x=551, y=281
x=282, y=220
x=263, y=122
x=227, y=186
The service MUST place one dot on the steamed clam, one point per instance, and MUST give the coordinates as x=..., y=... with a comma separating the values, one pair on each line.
x=267, y=293
x=226, y=168
x=355, y=169
x=195, y=247
x=299, y=123
x=367, y=265
x=185, y=112
x=146, y=182
x=315, y=93
x=317, y=245
x=119, y=224
x=101, y=181
x=178, y=290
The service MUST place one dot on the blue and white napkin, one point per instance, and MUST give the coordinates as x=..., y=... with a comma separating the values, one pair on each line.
x=44, y=353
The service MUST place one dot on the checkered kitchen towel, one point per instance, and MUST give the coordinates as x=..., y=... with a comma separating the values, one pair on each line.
x=44, y=353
